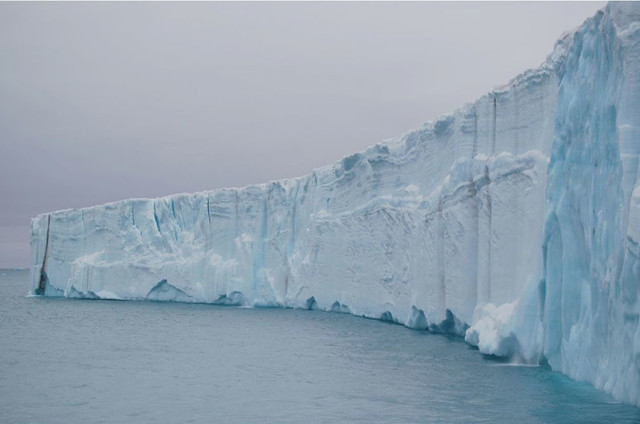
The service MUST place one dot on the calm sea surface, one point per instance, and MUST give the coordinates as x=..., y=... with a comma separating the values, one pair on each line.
x=84, y=361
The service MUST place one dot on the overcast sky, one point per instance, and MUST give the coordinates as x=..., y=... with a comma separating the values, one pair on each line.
x=106, y=101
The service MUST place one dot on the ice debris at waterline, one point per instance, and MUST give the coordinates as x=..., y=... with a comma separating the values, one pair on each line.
x=515, y=222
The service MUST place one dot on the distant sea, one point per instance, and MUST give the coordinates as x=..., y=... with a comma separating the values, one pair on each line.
x=93, y=361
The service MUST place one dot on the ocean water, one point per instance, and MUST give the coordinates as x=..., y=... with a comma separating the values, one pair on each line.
x=86, y=361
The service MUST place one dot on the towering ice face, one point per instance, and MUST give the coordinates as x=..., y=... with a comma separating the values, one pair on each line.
x=591, y=279
x=514, y=221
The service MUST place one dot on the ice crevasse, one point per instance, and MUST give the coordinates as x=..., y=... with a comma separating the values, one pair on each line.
x=514, y=222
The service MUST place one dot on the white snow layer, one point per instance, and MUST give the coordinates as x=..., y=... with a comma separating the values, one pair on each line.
x=514, y=221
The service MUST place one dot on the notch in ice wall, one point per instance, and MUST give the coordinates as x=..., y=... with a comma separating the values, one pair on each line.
x=452, y=227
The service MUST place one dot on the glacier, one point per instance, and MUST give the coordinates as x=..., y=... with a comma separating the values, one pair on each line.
x=514, y=222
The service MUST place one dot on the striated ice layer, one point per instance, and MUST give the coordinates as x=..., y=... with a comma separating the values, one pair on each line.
x=515, y=221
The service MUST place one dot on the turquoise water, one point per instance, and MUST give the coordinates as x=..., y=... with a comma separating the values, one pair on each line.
x=84, y=361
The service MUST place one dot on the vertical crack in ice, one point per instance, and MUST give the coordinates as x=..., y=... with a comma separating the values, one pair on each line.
x=259, y=259
x=474, y=232
x=475, y=134
x=442, y=287
x=155, y=217
x=133, y=217
x=292, y=238
x=208, y=212
x=237, y=213
x=494, y=124
x=42, y=284
x=489, y=245
x=173, y=209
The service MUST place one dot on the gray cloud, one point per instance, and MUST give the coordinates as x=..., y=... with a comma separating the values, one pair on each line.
x=105, y=101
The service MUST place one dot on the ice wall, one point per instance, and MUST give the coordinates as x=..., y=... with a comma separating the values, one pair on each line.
x=515, y=221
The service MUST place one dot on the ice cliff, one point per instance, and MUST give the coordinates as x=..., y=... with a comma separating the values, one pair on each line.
x=515, y=222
